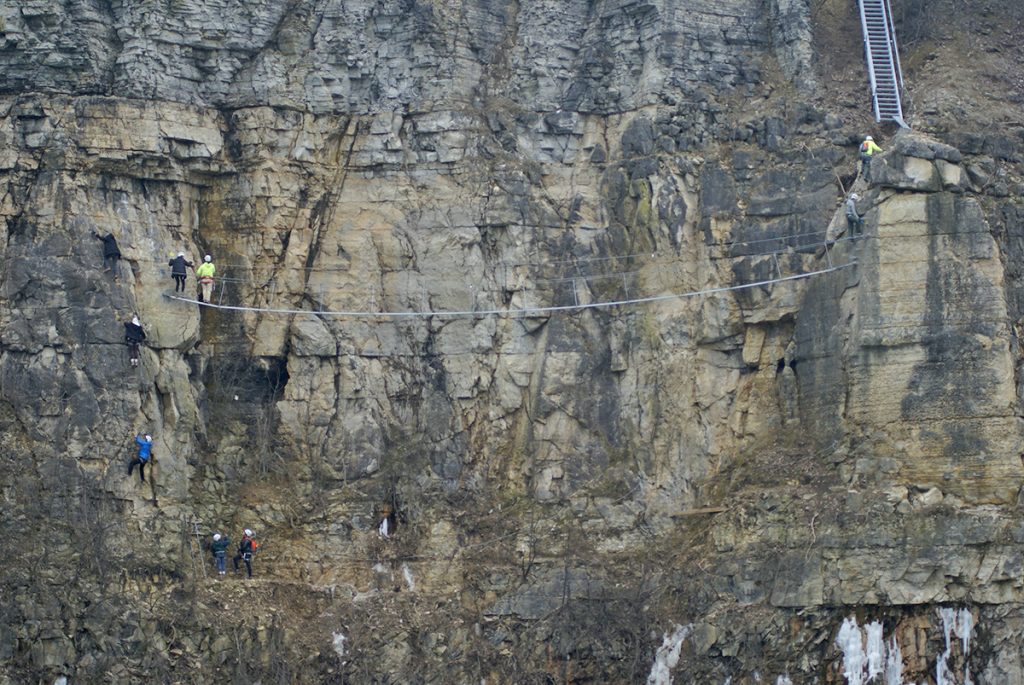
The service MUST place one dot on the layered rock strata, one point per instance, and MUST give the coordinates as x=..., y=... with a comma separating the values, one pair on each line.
x=566, y=484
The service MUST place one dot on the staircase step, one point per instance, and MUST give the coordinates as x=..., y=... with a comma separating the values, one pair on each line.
x=881, y=58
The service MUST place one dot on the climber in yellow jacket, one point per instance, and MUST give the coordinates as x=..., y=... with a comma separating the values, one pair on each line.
x=205, y=275
x=867, y=149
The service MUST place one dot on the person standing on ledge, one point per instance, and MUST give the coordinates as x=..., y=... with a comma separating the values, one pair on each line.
x=111, y=252
x=145, y=444
x=854, y=221
x=246, y=548
x=219, y=548
x=179, y=266
x=134, y=335
x=205, y=275
x=867, y=150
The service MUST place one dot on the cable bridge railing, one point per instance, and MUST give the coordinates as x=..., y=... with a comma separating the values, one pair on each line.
x=567, y=293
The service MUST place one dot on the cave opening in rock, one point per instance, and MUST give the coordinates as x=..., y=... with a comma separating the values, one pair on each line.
x=247, y=380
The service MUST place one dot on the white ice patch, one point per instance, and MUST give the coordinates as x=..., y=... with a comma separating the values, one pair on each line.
x=943, y=676
x=876, y=650
x=667, y=656
x=964, y=626
x=961, y=624
x=338, y=642
x=867, y=655
x=894, y=663
x=407, y=574
x=864, y=660
x=851, y=642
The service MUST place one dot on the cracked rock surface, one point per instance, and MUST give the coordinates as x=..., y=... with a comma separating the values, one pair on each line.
x=412, y=205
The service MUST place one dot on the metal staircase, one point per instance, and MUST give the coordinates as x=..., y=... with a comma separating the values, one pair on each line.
x=883, y=60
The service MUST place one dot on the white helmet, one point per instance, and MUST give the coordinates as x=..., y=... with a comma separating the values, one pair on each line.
x=247, y=532
x=149, y=437
x=181, y=254
x=216, y=537
x=854, y=196
x=868, y=138
x=207, y=258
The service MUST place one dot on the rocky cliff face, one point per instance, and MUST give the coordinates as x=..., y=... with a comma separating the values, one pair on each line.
x=413, y=207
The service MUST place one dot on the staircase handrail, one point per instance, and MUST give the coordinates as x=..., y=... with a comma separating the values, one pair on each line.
x=895, y=51
x=868, y=58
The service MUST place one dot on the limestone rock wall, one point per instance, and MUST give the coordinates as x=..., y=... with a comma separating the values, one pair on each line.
x=363, y=56
x=563, y=484
x=929, y=307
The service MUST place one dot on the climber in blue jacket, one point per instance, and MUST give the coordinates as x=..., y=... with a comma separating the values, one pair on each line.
x=145, y=444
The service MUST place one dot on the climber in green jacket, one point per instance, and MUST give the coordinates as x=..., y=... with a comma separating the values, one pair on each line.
x=867, y=150
x=205, y=275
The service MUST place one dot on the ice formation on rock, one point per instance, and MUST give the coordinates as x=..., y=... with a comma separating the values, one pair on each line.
x=667, y=656
x=338, y=641
x=957, y=622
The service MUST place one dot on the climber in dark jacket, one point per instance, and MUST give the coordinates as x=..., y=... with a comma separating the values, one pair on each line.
x=145, y=444
x=111, y=252
x=133, y=336
x=219, y=549
x=246, y=548
x=178, y=271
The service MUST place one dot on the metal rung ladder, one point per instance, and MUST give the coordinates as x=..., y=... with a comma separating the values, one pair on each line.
x=883, y=60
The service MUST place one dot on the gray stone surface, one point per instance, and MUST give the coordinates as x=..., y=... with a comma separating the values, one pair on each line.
x=565, y=485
